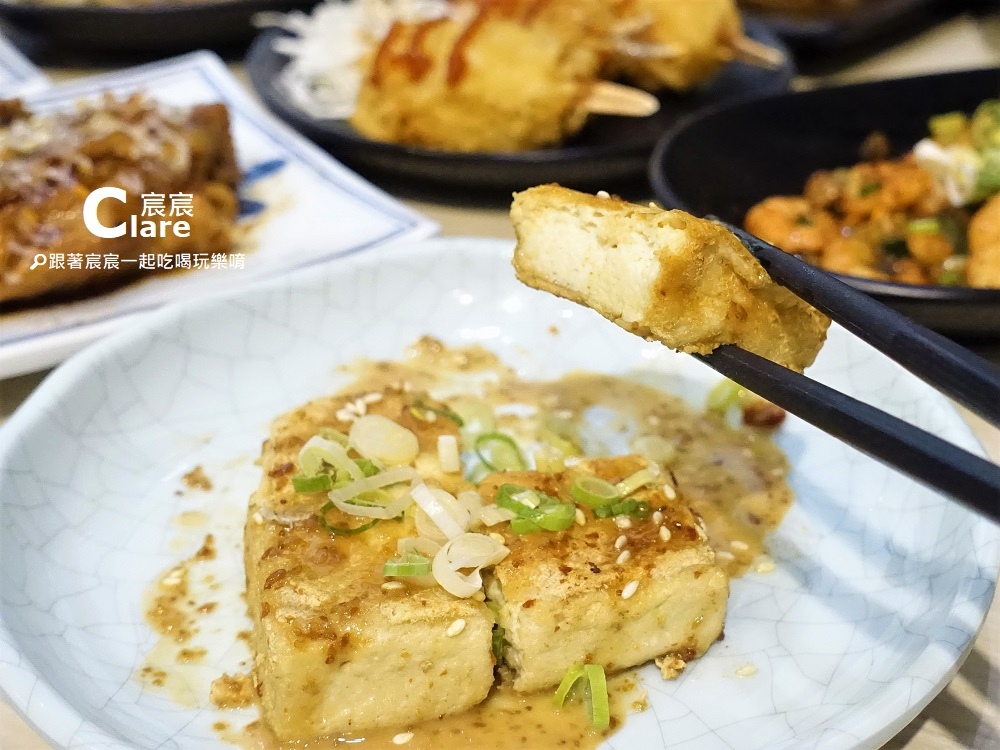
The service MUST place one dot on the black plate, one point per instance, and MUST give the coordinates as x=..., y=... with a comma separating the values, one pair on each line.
x=724, y=161
x=866, y=22
x=607, y=150
x=150, y=31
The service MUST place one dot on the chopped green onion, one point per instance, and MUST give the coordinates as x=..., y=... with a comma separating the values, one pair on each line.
x=368, y=468
x=524, y=526
x=554, y=516
x=594, y=491
x=869, y=188
x=410, y=564
x=722, y=396
x=632, y=508
x=318, y=483
x=803, y=220
x=924, y=226
x=600, y=705
x=422, y=411
x=339, y=530
x=328, y=433
x=573, y=675
x=635, y=482
x=516, y=498
x=499, y=452
x=948, y=128
x=498, y=643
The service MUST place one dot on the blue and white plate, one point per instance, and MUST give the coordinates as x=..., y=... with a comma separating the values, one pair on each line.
x=879, y=589
x=17, y=73
x=299, y=206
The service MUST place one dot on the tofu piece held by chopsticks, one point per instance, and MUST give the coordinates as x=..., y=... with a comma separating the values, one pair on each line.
x=664, y=275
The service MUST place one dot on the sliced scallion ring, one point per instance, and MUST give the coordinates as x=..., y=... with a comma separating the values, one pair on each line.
x=421, y=409
x=318, y=451
x=573, y=675
x=554, y=516
x=515, y=498
x=340, y=530
x=631, y=508
x=406, y=566
x=600, y=706
x=499, y=452
x=524, y=526
x=318, y=483
x=722, y=396
x=594, y=491
x=635, y=482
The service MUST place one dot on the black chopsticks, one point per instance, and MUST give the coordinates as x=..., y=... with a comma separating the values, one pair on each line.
x=952, y=369
x=943, y=364
x=969, y=479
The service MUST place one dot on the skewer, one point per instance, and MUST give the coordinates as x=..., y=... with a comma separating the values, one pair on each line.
x=754, y=53
x=606, y=98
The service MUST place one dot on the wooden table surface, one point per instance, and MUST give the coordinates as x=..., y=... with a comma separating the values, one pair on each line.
x=967, y=713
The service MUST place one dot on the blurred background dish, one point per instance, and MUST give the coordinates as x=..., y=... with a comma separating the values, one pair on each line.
x=820, y=26
x=771, y=146
x=607, y=150
x=147, y=30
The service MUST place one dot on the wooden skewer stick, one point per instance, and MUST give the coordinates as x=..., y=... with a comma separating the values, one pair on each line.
x=606, y=98
x=754, y=53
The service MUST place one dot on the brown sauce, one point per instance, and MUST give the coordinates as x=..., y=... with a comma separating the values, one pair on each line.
x=510, y=720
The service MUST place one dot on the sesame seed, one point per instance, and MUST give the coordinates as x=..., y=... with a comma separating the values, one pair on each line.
x=372, y=398
x=652, y=204
x=497, y=537
x=670, y=492
x=455, y=628
x=344, y=415
x=764, y=565
x=623, y=557
x=621, y=541
x=657, y=517
x=630, y=589
x=665, y=533
x=580, y=518
x=623, y=522
x=257, y=517
x=392, y=586
x=747, y=670
x=739, y=546
x=402, y=738
x=723, y=555
x=603, y=194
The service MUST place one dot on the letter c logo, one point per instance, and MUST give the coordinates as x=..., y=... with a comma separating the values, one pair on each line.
x=90, y=220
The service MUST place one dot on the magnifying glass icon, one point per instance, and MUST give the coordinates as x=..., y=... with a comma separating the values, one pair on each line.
x=40, y=260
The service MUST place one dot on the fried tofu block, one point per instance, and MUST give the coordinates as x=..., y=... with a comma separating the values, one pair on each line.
x=663, y=275
x=334, y=651
x=576, y=597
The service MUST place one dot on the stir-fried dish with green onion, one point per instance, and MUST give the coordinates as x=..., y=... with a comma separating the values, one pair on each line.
x=930, y=217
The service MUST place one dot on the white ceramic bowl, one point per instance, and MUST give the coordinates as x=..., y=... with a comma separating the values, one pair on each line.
x=880, y=587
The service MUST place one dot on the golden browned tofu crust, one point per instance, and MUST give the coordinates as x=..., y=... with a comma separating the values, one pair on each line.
x=663, y=275
x=602, y=594
x=49, y=164
x=334, y=650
